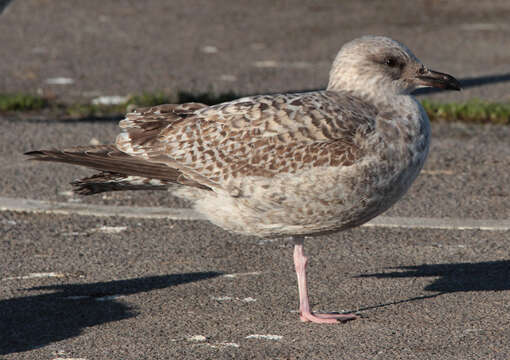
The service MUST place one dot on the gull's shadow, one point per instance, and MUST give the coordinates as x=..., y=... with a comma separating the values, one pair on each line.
x=482, y=276
x=4, y=4
x=33, y=321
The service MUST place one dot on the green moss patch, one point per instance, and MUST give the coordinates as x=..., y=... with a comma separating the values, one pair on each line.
x=21, y=102
x=473, y=111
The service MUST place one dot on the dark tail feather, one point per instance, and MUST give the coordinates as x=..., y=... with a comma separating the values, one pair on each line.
x=107, y=158
x=107, y=181
x=119, y=171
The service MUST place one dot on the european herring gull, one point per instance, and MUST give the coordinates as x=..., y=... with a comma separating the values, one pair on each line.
x=285, y=165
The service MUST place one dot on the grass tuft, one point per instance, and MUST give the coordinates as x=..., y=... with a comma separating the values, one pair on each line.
x=473, y=111
x=207, y=98
x=84, y=111
x=20, y=102
x=148, y=99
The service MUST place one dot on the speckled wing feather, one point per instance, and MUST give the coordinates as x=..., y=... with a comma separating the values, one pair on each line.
x=255, y=136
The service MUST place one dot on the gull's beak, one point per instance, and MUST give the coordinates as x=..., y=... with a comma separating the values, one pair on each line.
x=427, y=77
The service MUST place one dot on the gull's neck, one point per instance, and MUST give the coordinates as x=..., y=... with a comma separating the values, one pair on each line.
x=375, y=91
x=368, y=88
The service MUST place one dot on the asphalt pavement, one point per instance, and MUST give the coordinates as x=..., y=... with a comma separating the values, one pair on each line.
x=84, y=287
x=92, y=48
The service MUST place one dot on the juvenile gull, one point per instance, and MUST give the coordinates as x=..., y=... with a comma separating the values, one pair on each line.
x=282, y=165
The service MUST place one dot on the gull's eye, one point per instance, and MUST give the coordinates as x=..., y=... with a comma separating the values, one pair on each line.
x=391, y=62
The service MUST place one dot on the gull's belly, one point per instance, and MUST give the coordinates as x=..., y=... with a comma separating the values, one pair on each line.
x=318, y=200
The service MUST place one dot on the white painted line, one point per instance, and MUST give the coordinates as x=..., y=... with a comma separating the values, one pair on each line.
x=66, y=193
x=267, y=337
x=234, y=275
x=278, y=64
x=110, y=100
x=209, y=49
x=218, y=345
x=229, y=298
x=35, y=276
x=228, y=77
x=265, y=64
x=46, y=207
x=439, y=223
x=221, y=345
x=38, y=206
x=59, y=81
x=197, y=338
x=111, y=229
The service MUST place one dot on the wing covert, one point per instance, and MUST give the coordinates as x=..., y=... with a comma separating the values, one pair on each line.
x=254, y=136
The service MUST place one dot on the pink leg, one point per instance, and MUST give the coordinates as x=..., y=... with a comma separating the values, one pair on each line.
x=305, y=314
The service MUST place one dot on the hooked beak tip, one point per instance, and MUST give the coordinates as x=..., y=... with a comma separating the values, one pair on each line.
x=439, y=80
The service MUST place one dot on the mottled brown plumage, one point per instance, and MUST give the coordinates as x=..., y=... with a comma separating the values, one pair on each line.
x=257, y=136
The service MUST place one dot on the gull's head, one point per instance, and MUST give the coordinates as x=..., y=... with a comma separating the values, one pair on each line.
x=377, y=65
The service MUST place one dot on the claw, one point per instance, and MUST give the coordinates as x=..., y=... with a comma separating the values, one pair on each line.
x=326, y=318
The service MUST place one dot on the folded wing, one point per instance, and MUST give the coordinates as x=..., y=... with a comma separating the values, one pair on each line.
x=207, y=146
